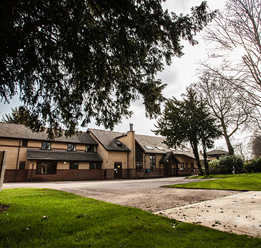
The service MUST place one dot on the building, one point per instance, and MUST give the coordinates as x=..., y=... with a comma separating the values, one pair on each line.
x=215, y=154
x=92, y=155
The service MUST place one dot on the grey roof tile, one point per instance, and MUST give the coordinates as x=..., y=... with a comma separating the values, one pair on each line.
x=109, y=139
x=156, y=142
x=19, y=131
x=216, y=152
x=51, y=155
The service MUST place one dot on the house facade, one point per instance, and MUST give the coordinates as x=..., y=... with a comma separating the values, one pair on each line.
x=92, y=155
x=215, y=154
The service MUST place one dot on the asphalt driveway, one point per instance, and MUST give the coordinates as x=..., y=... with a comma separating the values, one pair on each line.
x=231, y=211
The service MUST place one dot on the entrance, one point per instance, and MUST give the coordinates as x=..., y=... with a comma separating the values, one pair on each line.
x=117, y=170
x=170, y=169
x=167, y=170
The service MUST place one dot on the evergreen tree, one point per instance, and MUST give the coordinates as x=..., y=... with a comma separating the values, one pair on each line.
x=73, y=61
x=188, y=120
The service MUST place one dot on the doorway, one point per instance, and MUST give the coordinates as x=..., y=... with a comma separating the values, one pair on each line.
x=117, y=170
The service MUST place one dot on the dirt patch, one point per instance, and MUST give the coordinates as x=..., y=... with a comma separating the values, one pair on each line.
x=3, y=208
x=154, y=199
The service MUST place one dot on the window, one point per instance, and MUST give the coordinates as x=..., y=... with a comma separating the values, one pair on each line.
x=160, y=148
x=46, y=145
x=192, y=165
x=153, y=162
x=186, y=166
x=181, y=166
x=90, y=148
x=44, y=168
x=139, y=167
x=74, y=166
x=24, y=142
x=149, y=147
x=95, y=166
x=71, y=147
x=22, y=166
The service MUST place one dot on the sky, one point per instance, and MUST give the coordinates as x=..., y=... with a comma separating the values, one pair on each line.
x=178, y=76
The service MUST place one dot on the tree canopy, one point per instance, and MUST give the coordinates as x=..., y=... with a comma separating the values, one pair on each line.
x=236, y=34
x=73, y=61
x=226, y=104
x=188, y=120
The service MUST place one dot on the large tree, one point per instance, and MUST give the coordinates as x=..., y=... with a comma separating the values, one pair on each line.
x=19, y=115
x=188, y=120
x=226, y=103
x=76, y=60
x=236, y=57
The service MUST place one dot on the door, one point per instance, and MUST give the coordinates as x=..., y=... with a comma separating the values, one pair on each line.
x=117, y=170
x=167, y=170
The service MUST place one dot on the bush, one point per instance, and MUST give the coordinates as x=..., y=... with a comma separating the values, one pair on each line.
x=214, y=167
x=253, y=166
x=230, y=162
x=226, y=165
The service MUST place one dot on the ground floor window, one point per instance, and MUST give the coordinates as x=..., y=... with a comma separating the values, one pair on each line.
x=181, y=166
x=22, y=166
x=153, y=162
x=186, y=166
x=74, y=165
x=44, y=168
x=95, y=165
x=139, y=166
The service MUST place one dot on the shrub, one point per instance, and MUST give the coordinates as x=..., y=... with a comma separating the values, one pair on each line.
x=230, y=162
x=214, y=167
x=253, y=166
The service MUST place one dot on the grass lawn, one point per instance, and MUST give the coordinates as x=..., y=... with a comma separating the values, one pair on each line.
x=51, y=218
x=248, y=181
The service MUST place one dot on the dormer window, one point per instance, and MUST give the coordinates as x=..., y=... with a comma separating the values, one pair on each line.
x=71, y=147
x=149, y=147
x=160, y=148
x=46, y=145
x=119, y=144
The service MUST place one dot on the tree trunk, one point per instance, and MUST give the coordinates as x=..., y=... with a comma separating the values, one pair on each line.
x=194, y=146
x=229, y=146
x=205, y=159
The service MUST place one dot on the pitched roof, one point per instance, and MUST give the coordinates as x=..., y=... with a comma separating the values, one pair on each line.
x=51, y=155
x=154, y=144
x=149, y=144
x=167, y=157
x=109, y=139
x=19, y=131
x=216, y=152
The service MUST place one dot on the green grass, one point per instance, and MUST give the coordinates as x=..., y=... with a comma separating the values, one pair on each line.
x=51, y=218
x=245, y=182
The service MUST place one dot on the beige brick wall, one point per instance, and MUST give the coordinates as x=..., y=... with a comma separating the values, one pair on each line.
x=129, y=141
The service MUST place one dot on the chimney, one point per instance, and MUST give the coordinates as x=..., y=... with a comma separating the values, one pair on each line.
x=131, y=127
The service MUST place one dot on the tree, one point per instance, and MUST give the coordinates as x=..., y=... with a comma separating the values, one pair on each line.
x=237, y=57
x=226, y=104
x=76, y=60
x=256, y=145
x=19, y=115
x=188, y=120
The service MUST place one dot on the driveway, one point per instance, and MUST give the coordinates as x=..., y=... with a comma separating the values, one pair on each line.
x=224, y=210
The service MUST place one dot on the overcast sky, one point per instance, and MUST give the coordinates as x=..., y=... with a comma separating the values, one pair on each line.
x=177, y=76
